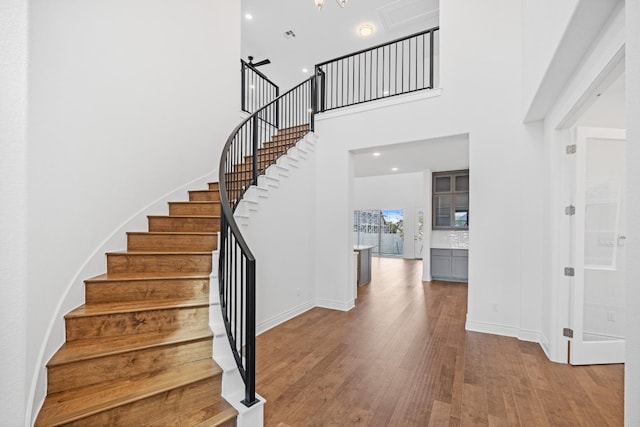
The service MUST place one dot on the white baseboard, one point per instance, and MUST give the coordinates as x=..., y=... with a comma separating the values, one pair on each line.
x=335, y=305
x=278, y=319
x=491, y=328
x=508, y=331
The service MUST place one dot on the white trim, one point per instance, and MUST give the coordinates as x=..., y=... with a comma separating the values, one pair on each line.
x=379, y=103
x=528, y=335
x=507, y=331
x=335, y=305
x=491, y=328
x=278, y=319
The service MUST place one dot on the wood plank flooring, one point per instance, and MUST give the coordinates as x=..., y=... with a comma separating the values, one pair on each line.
x=402, y=358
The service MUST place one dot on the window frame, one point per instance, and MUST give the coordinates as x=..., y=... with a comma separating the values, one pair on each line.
x=451, y=193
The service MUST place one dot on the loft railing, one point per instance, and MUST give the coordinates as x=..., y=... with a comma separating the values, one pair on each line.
x=400, y=66
x=242, y=161
x=256, y=88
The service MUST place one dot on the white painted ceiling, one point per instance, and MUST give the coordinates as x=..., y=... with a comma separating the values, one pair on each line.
x=325, y=34
x=438, y=154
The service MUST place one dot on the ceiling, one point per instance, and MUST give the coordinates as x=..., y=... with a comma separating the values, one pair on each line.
x=438, y=154
x=325, y=34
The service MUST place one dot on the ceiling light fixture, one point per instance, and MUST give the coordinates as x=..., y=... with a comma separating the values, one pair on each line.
x=376, y=154
x=305, y=70
x=320, y=3
x=248, y=16
x=394, y=169
x=365, y=30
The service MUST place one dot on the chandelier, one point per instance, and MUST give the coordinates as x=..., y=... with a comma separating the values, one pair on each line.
x=320, y=3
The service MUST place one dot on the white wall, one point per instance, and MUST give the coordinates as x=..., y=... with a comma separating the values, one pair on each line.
x=281, y=236
x=127, y=101
x=632, y=366
x=400, y=191
x=563, y=114
x=481, y=96
x=543, y=25
x=13, y=225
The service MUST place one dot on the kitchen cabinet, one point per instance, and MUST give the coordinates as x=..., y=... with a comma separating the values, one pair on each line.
x=450, y=264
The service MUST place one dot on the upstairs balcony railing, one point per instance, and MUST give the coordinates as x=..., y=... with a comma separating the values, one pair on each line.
x=256, y=88
x=401, y=66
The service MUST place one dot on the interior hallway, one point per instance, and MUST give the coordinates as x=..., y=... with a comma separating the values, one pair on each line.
x=403, y=358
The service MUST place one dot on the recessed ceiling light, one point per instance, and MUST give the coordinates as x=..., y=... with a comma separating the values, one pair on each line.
x=365, y=30
x=305, y=70
x=376, y=154
x=248, y=16
x=394, y=169
x=385, y=93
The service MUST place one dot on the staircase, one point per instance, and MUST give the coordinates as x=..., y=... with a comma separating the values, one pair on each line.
x=139, y=351
x=241, y=177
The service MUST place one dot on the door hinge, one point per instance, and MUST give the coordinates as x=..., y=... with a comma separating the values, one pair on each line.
x=567, y=332
x=569, y=271
x=570, y=210
x=571, y=149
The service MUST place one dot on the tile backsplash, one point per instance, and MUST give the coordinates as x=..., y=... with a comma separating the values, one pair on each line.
x=450, y=239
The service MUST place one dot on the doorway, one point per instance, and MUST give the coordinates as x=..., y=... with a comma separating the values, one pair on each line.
x=598, y=226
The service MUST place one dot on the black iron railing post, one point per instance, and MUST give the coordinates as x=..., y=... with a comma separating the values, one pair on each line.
x=243, y=86
x=314, y=102
x=431, y=34
x=254, y=159
x=250, y=346
x=277, y=110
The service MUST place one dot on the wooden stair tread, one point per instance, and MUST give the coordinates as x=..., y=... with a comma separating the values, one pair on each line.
x=109, y=277
x=196, y=202
x=185, y=216
x=97, y=309
x=85, y=349
x=72, y=405
x=174, y=233
x=225, y=413
x=139, y=253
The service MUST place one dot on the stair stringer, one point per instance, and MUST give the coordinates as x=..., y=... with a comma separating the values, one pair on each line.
x=232, y=384
x=285, y=284
x=271, y=180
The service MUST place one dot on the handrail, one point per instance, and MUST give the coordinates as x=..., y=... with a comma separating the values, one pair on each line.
x=393, y=68
x=256, y=89
x=240, y=165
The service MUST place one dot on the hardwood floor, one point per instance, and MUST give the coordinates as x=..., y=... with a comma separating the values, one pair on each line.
x=402, y=358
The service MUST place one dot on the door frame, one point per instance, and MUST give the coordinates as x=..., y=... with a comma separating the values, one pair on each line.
x=585, y=352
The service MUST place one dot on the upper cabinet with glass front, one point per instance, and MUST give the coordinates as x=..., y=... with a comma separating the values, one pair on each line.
x=451, y=200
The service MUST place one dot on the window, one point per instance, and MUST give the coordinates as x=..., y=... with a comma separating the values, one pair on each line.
x=381, y=229
x=451, y=200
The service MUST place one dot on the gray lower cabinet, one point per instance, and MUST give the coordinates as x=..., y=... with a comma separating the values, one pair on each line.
x=364, y=264
x=450, y=264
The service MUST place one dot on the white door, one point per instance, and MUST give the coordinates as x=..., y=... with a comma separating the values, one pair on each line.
x=418, y=242
x=598, y=252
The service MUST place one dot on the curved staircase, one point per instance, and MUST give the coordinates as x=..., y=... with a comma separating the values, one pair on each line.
x=139, y=351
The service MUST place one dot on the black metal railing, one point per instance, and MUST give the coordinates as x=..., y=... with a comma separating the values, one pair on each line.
x=256, y=88
x=250, y=149
x=394, y=68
